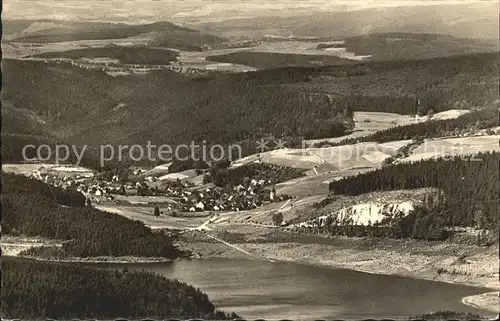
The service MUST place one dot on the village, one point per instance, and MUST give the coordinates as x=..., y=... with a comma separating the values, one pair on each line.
x=171, y=195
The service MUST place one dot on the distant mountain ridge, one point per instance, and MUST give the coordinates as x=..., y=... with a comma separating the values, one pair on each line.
x=466, y=20
x=161, y=34
x=478, y=21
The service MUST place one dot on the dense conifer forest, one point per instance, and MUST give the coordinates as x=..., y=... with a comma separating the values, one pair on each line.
x=34, y=289
x=32, y=211
x=19, y=184
x=469, y=187
x=174, y=108
x=259, y=171
x=264, y=60
x=125, y=55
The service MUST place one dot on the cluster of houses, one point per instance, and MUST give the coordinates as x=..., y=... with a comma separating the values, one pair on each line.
x=55, y=179
x=237, y=198
x=109, y=65
x=190, y=198
x=115, y=67
x=94, y=190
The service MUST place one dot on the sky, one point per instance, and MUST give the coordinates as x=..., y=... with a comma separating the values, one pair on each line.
x=130, y=10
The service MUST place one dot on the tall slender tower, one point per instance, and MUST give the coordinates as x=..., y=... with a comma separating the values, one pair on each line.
x=417, y=105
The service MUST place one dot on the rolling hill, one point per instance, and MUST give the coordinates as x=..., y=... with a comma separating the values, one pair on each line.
x=281, y=52
x=397, y=46
x=90, y=107
x=468, y=20
x=263, y=60
x=125, y=55
x=159, y=34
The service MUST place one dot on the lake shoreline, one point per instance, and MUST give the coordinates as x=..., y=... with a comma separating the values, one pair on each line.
x=100, y=259
x=431, y=261
x=13, y=246
x=434, y=261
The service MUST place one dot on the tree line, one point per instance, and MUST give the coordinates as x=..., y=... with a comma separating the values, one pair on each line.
x=89, y=232
x=469, y=187
x=34, y=289
x=20, y=184
x=126, y=55
x=467, y=123
x=421, y=224
x=221, y=176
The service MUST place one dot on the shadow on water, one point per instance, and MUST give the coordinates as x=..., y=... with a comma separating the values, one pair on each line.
x=263, y=289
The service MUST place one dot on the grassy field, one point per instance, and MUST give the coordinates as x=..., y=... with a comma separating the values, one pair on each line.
x=136, y=199
x=28, y=169
x=447, y=147
x=125, y=55
x=145, y=214
x=367, y=123
x=337, y=158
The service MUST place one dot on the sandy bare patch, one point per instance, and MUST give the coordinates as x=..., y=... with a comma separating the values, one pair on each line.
x=14, y=245
x=489, y=301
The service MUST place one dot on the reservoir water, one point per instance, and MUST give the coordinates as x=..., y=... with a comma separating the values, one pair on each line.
x=262, y=289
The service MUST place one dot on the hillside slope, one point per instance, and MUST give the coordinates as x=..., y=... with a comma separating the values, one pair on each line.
x=468, y=20
x=124, y=55
x=160, y=34
x=91, y=107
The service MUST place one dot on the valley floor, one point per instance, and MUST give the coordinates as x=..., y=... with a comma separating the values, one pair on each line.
x=439, y=261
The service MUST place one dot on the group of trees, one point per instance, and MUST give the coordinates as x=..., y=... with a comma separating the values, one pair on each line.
x=126, y=55
x=277, y=218
x=88, y=231
x=469, y=186
x=19, y=184
x=34, y=289
x=263, y=60
x=235, y=107
x=183, y=165
x=475, y=120
x=421, y=224
x=221, y=176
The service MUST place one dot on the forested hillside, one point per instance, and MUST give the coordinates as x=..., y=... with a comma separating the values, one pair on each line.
x=20, y=184
x=159, y=34
x=34, y=289
x=463, y=81
x=28, y=209
x=400, y=45
x=91, y=107
x=271, y=174
x=475, y=120
x=80, y=106
x=264, y=60
x=469, y=187
x=125, y=55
